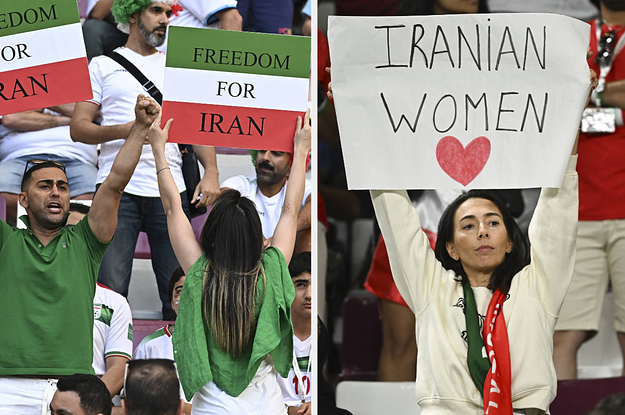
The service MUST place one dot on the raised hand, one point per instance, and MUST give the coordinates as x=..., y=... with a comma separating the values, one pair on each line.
x=146, y=110
x=157, y=136
x=302, y=139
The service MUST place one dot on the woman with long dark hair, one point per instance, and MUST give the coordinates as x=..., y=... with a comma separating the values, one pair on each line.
x=485, y=302
x=233, y=330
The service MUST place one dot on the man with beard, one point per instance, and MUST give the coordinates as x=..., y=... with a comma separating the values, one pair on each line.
x=267, y=188
x=140, y=207
x=49, y=272
x=601, y=233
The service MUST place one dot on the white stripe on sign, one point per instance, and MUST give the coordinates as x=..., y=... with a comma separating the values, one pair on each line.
x=41, y=47
x=236, y=89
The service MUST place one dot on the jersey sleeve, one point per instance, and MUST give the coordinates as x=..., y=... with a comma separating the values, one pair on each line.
x=119, y=339
x=96, y=80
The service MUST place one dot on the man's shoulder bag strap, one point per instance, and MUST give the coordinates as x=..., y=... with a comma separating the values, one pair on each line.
x=149, y=87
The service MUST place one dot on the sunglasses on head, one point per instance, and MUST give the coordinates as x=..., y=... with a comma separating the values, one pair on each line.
x=606, y=48
x=40, y=162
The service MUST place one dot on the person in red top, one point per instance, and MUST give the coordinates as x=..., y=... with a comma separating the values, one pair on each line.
x=601, y=234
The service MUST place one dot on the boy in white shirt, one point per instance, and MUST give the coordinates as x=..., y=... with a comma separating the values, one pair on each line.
x=296, y=387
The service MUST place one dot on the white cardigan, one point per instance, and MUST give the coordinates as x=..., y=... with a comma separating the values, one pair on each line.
x=444, y=385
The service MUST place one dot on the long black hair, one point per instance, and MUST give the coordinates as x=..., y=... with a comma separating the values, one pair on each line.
x=513, y=262
x=232, y=241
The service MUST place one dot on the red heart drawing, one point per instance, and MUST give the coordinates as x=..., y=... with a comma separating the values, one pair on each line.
x=460, y=163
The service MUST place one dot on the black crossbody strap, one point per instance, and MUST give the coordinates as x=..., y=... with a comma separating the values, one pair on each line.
x=149, y=87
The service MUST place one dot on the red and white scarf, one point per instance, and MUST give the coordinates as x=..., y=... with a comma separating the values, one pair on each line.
x=497, y=386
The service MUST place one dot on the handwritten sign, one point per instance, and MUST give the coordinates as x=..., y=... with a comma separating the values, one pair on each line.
x=235, y=89
x=42, y=55
x=480, y=101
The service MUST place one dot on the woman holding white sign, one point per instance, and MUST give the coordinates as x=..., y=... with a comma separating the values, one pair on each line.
x=398, y=352
x=473, y=359
x=233, y=330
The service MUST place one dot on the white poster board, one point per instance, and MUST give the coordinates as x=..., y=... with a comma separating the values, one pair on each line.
x=476, y=101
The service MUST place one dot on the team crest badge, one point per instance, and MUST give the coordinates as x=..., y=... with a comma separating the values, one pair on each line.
x=97, y=311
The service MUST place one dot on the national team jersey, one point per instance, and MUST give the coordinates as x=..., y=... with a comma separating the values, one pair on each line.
x=112, y=327
x=158, y=345
x=291, y=385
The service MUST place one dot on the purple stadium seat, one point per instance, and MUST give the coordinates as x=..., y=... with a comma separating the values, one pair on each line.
x=579, y=396
x=197, y=223
x=142, y=250
x=142, y=328
x=362, y=338
x=82, y=9
x=3, y=208
x=228, y=150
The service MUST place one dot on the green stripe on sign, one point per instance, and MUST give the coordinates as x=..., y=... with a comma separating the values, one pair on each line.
x=242, y=52
x=29, y=15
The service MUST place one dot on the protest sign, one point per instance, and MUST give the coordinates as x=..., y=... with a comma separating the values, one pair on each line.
x=235, y=89
x=479, y=101
x=42, y=55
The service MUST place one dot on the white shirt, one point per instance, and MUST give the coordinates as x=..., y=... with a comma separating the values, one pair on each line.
x=115, y=90
x=112, y=327
x=158, y=345
x=291, y=385
x=269, y=208
x=54, y=140
x=261, y=397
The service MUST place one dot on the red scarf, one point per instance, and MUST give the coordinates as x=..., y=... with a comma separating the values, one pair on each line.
x=497, y=386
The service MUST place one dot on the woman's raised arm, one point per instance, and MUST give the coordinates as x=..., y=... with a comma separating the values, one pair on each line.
x=181, y=235
x=286, y=229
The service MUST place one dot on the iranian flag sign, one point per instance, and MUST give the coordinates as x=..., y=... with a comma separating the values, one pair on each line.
x=42, y=55
x=235, y=89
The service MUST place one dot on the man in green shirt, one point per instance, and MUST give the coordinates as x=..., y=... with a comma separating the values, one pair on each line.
x=48, y=275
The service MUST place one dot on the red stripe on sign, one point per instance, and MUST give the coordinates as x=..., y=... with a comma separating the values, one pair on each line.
x=226, y=126
x=44, y=86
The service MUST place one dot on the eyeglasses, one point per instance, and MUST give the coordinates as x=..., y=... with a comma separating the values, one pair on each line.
x=39, y=162
x=130, y=364
x=606, y=47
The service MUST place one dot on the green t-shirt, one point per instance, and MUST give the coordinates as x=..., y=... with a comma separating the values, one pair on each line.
x=199, y=359
x=46, y=298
